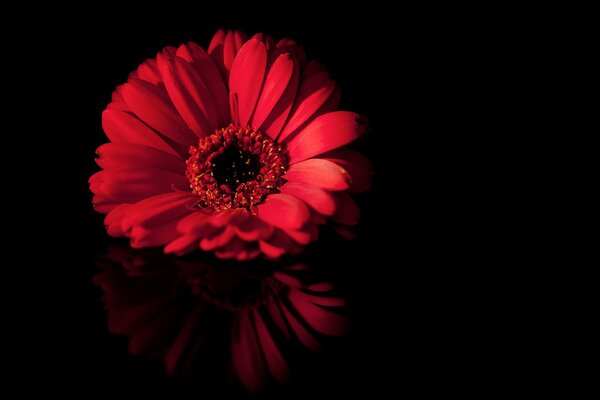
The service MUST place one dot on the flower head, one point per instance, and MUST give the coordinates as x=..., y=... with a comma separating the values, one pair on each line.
x=236, y=150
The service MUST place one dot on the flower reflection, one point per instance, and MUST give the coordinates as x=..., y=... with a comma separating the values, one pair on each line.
x=181, y=310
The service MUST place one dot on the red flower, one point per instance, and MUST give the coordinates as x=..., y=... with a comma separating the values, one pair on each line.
x=236, y=150
x=174, y=309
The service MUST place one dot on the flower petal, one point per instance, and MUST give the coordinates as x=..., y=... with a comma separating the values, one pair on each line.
x=321, y=173
x=183, y=244
x=218, y=240
x=122, y=127
x=156, y=332
x=277, y=80
x=277, y=245
x=196, y=222
x=113, y=220
x=186, y=333
x=302, y=237
x=117, y=101
x=158, y=210
x=245, y=82
x=326, y=132
x=246, y=357
x=132, y=185
x=273, y=357
x=103, y=204
x=189, y=93
x=127, y=156
x=286, y=45
x=320, y=319
x=253, y=229
x=232, y=249
x=320, y=200
x=305, y=337
x=283, y=211
x=156, y=236
x=347, y=212
x=152, y=105
x=206, y=68
x=357, y=165
x=148, y=71
x=216, y=49
x=313, y=93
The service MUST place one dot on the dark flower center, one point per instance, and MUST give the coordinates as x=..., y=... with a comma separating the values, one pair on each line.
x=235, y=168
x=231, y=289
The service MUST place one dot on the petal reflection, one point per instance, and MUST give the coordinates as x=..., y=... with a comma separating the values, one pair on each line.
x=181, y=309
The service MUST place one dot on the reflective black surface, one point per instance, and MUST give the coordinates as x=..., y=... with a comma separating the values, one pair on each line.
x=250, y=321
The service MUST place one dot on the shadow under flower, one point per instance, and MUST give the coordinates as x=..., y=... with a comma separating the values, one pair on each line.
x=248, y=319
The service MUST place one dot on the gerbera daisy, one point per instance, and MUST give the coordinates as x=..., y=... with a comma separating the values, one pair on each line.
x=171, y=308
x=236, y=150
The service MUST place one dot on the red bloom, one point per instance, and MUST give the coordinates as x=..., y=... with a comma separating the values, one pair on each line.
x=236, y=150
x=171, y=308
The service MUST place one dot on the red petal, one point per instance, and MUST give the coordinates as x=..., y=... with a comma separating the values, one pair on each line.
x=267, y=40
x=312, y=67
x=118, y=103
x=277, y=318
x=132, y=185
x=232, y=249
x=246, y=356
x=321, y=173
x=276, y=82
x=216, y=49
x=357, y=165
x=121, y=127
x=300, y=237
x=283, y=211
x=286, y=45
x=347, y=212
x=288, y=280
x=158, y=210
x=320, y=319
x=103, y=204
x=320, y=200
x=183, y=244
x=152, y=105
x=148, y=71
x=253, y=229
x=245, y=82
x=157, y=332
x=173, y=354
x=189, y=93
x=327, y=132
x=229, y=50
x=347, y=232
x=279, y=115
x=218, y=240
x=273, y=357
x=305, y=337
x=197, y=222
x=113, y=220
x=277, y=245
x=127, y=156
x=155, y=236
x=313, y=93
x=206, y=68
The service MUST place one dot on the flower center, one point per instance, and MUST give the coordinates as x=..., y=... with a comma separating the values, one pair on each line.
x=235, y=168
x=231, y=289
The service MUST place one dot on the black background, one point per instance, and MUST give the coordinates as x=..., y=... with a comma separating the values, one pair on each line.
x=393, y=67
